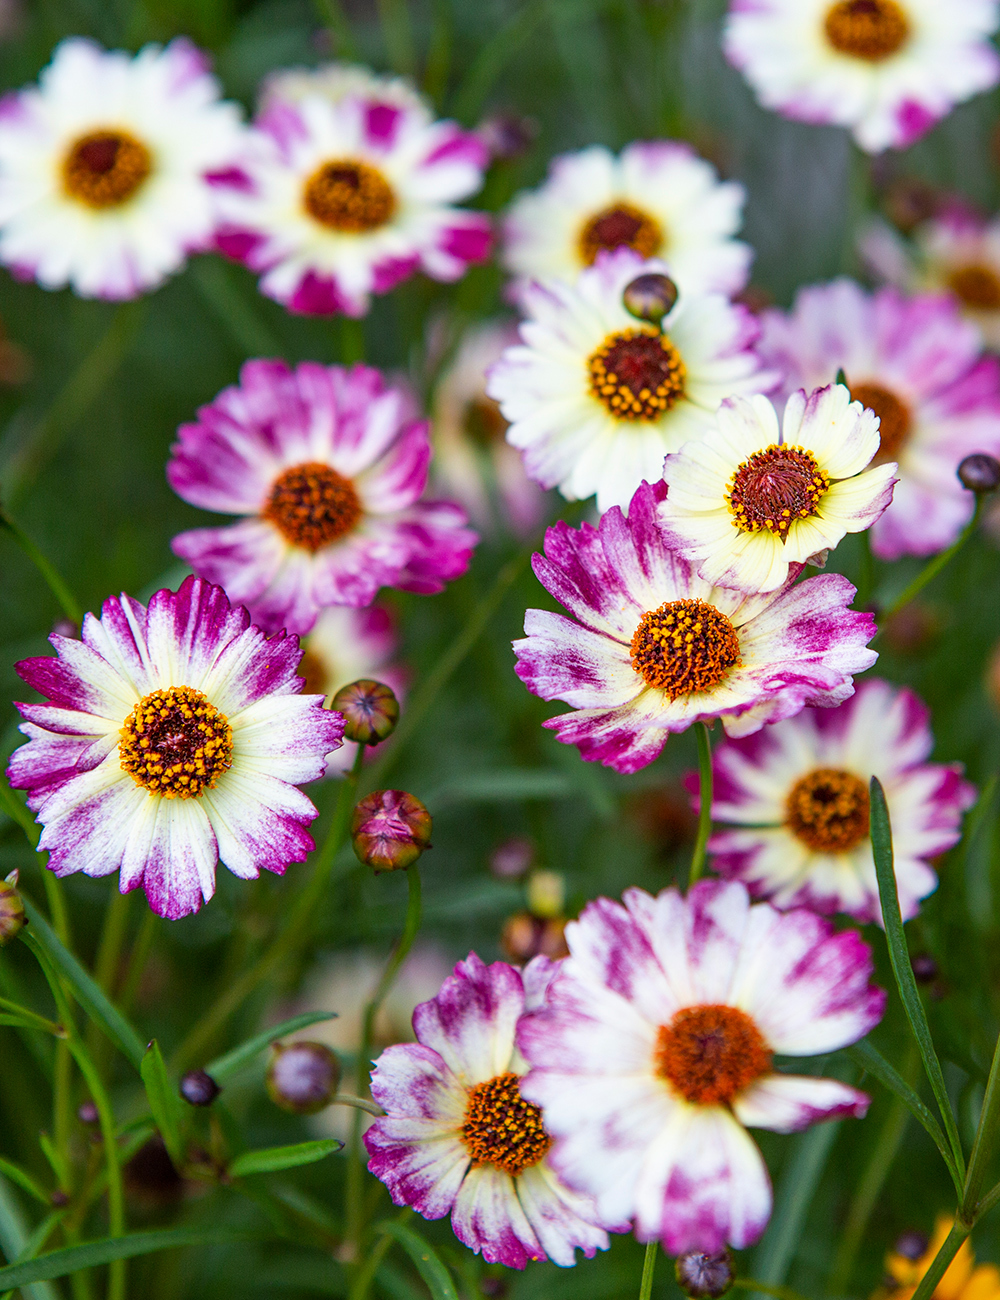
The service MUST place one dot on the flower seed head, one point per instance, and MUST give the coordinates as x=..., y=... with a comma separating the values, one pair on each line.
x=198, y=1088
x=705, y=1276
x=302, y=1077
x=650, y=296
x=11, y=909
x=390, y=829
x=370, y=710
x=979, y=473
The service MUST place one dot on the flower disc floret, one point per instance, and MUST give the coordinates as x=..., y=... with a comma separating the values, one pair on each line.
x=711, y=1053
x=618, y=226
x=872, y=30
x=774, y=488
x=103, y=169
x=977, y=286
x=828, y=810
x=637, y=374
x=176, y=743
x=501, y=1128
x=350, y=196
x=312, y=505
x=685, y=647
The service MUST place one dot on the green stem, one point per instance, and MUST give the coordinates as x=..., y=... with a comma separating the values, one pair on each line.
x=984, y=1143
x=939, y=1265
x=112, y=938
x=397, y=35
x=360, y=1103
x=648, y=1268
x=705, y=804
x=137, y=961
x=31, y=1019
x=67, y=601
x=866, y=572
x=779, y=1292
x=933, y=567
x=331, y=12
x=352, y=341
x=366, y=1275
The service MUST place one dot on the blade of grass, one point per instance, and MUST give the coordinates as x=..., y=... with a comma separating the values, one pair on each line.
x=425, y=1260
x=289, y=1157
x=70, y=1259
x=224, y=1067
x=163, y=1102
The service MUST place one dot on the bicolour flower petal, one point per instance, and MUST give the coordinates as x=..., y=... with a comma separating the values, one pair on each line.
x=788, y=1102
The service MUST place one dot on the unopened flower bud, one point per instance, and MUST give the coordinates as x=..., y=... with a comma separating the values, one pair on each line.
x=911, y=1245
x=370, y=711
x=87, y=1113
x=66, y=627
x=980, y=473
x=390, y=829
x=198, y=1088
x=302, y=1077
x=507, y=135
x=705, y=1276
x=925, y=968
x=546, y=894
x=650, y=296
x=11, y=909
x=525, y=936
x=512, y=858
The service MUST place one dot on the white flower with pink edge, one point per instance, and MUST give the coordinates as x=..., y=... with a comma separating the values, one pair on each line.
x=653, y=1054
x=458, y=1138
x=337, y=81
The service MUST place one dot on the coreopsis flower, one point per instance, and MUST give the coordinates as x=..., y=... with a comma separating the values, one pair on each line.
x=472, y=461
x=596, y=398
x=656, y=197
x=653, y=1053
x=913, y=1255
x=337, y=81
x=172, y=737
x=888, y=69
x=340, y=200
x=105, y=167
x=800, y=788
x=654, y=648
x=748, y=499
x=326, y=465
x=458, y=1138
x=920, y=368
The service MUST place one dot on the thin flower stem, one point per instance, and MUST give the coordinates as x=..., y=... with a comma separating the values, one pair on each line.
x=53, y=579
x=866, y=572
x=352, y=341
x=109, y=949
x=705, y=802
x=137, y=959
x=362, y=1283
x=331, y=13
x=648, y=1268
x=939, y=1265
x=397, y=35
x=933, y=567
x=360, y=1103
x=779, y=1292
x=984, y=1143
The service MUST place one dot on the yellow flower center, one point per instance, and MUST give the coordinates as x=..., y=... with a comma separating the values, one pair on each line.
x=501, y=1128
x=828, y=810
x=620, y=226
x=872, y=30
x=103, y=169
x=637, y=374
x=711, y=1053
x=684, y=647
x=350, y=197
x=312, y=505
x=774, y=488
x=977, y=286
x=895, y=419
x=175, y=743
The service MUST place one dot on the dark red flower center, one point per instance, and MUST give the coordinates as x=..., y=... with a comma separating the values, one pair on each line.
x=348, y=196
x=684, y=647
x=774, y=488
x=175, y=743
x=637, y=374
x=105, y=168
x=711, y=1053
x=312, y=505
x=620, y=226
x=872, y=30
x=828, y=810
x=895, y=423
x=501, y=1128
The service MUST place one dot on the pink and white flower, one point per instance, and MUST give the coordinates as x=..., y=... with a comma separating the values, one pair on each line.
x=106, y=167
x=646, y=1118
x=596, y=398
x=340, y=200
x=327, y=465
x=920, y=368
x=803, y=787
x=458, y=1138
x=338, y=81
x=888, y=69
x=171, y=737
x=655, y=648
x=656, y=197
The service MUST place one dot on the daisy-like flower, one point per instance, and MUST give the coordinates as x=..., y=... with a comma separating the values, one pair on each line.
x=802, y=785
x=340, y=200
x=596, y=398
x=105, y=167
x=346, y=645
x=747, y=499
x=920, y=368
x=652, y=1054
x=914, y=1254
x=888, y=69
x=657, y=198
x=655, y=648
x=458, y=1138
x=172, y=737
x=338, y=81
x=328, y=465
x=472, y=461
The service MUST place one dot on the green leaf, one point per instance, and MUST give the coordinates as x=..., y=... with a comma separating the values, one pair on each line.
x=899, y=956
x=427, y=1263
x=271, y=1158
x=24, y=1180
x=224, y=1067
x=71, y=1259
x=90, y=995
x=163, y=1102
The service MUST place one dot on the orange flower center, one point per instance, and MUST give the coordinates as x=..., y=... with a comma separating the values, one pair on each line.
x=350, y=197
x=828, y=810
x=895, y=420
x=684, y=647
x=484, y=422
x=312, y=505
x=175, y=743
x=620, y=226
x=103, y=169
x=637, y=374
x=711, y=1053
x=872, y=30
x=501, y=1128
x=774, y=488
x=311, y=667
x=977, y=286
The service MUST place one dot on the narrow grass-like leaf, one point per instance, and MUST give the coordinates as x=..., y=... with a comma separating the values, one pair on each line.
x=224, y=1067
x=427, y=1264
x=71, y=1259
x=24, y=1180
x=163, y=1102
x=89, y=994
x=899, y=956
x=271, y=1158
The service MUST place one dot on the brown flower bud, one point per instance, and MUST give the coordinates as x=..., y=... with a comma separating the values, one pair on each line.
x=198, y=1088
x=11, y=909
x=390, y=829
x=302, y=1077
x=650, y=296
x=525, y=936
x=705, y=1276
x=980, y=473
x=370, y=711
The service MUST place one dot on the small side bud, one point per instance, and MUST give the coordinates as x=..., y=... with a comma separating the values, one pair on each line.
x=199, y=1088
x=512, y=858
x=87, y=1113
x=703, y=1276
x=546, y=891
x=912, y=1245
x=650, y=297
x=12, y=920
x=370, y=711
x=507, y=135
x=302, y=1077
x=925, y=968
x=980, y=473
x=390, y=829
